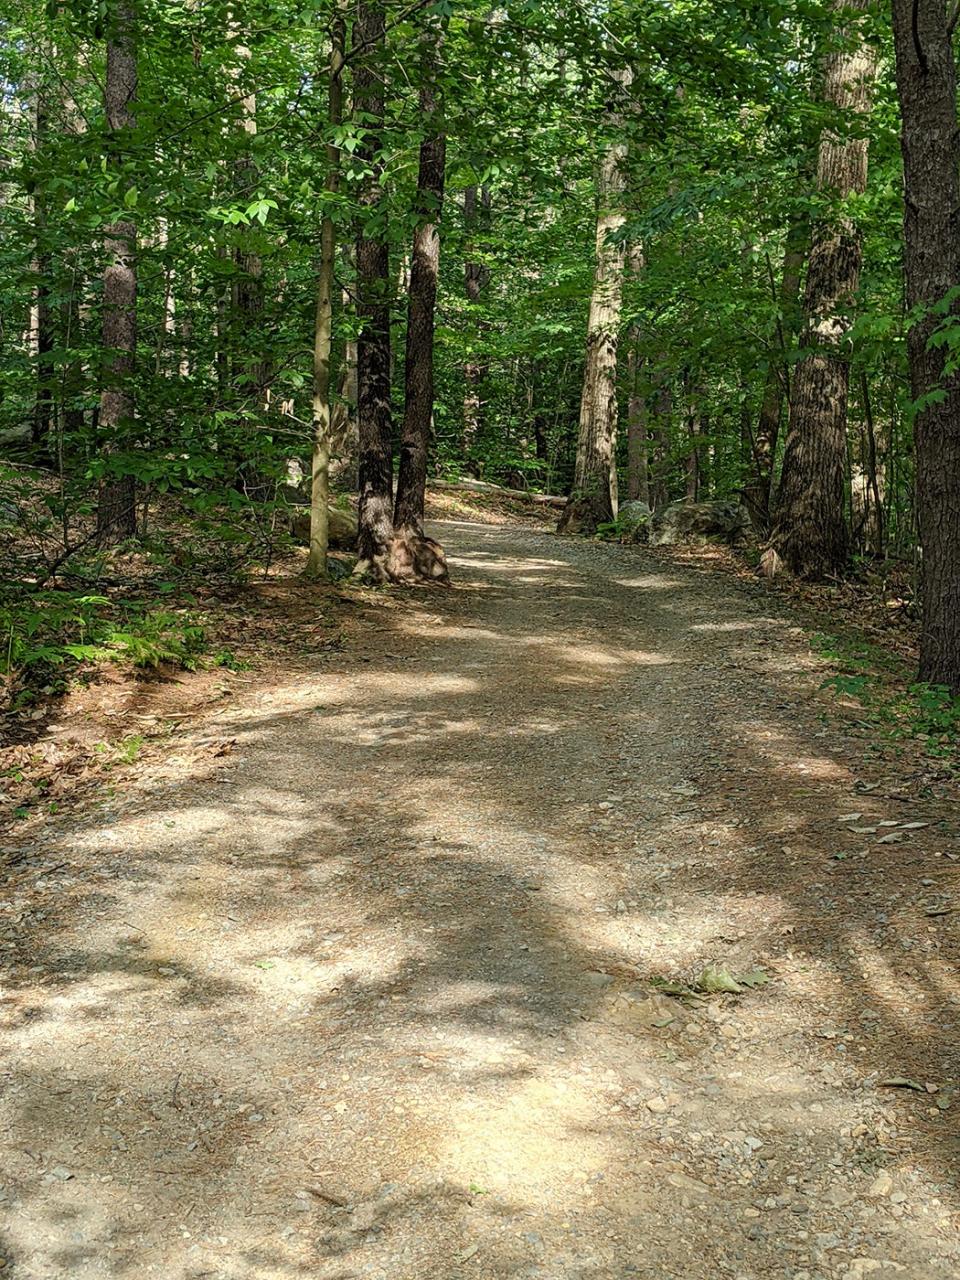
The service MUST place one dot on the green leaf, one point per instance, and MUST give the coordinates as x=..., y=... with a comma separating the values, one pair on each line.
x=717, y=980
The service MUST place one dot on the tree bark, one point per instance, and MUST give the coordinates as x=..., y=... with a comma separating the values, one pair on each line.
x=692, y=463
x=43, y=312
x=638, y=452
x=476, y=216
x=662, y=418
x=323, y=325
x=251, y=371
x=343, y=422
x=593, y=498
x=810, y=531
x=116, y=507
x=638, y=448
x=926, y=85
x=373, y=308
x=415, y=556
x=758, y=493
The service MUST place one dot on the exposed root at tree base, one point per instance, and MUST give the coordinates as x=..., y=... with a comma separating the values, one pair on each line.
x=410, y=558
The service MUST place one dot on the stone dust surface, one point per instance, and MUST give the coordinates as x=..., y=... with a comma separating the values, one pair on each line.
x=376, y=989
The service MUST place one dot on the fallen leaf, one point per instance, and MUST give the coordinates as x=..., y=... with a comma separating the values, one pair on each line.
x=715, y=980
x=755, y=978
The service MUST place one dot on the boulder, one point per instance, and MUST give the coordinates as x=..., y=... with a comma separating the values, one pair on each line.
x=725, y=520
x=343, y=528
x=634, y=519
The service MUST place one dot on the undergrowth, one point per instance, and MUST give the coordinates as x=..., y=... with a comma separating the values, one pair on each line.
x=879, y=683
x=48, y=635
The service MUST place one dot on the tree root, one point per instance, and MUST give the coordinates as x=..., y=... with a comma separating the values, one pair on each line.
x=410, y=558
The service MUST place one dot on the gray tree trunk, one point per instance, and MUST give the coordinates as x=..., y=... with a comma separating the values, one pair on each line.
x=116, y=506
x=810, y=531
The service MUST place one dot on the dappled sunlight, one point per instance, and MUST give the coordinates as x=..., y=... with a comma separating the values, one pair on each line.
x=395, y=959
x=788, y=759
x=521, y=1143
x=650, y=582
x=722, y=628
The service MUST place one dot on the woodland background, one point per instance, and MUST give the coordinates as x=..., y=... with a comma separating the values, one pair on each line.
x=206, y=208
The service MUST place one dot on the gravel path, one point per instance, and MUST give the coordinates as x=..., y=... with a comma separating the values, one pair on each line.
x=372, y=992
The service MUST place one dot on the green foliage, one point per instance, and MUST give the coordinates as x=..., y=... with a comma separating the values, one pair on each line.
x=49, y=633
x=898, y=709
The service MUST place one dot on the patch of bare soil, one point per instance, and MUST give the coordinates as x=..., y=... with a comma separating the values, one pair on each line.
x=111, y=721
x=420, y=977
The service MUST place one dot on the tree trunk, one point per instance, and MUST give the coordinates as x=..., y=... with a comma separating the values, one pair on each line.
x=758, y=493
x=692, y=461
x=116, y=507
x=415, y=556
x=323, y=325
x=926, y=84
x=593, y=498
x=638, y=466
x=638, y=450
x=373, y=309
x=660, y=432
x=251, y=371
x=43, y=312
x=810, y=531
x=343, y=424
x=476, y=278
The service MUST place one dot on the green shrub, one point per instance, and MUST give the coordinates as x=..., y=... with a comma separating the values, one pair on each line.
x=45, y=631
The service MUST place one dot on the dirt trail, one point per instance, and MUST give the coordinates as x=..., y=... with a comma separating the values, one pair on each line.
x=371, y=996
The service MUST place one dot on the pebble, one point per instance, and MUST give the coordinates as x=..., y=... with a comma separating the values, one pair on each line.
x=882, y=1185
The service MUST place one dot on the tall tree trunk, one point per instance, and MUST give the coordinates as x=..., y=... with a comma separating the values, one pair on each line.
x=926, y=84
x=692, y=461
x=116, y=507
x=758, y=493
x=415, y=556
x=476, y=217
x=373, y=308
x=251, y=371
x=323, y=325
x=638, y=449
x=43, y=312
x=662, y=418
x=593, y=498
x=810, y=530
x=72, y=384
x=343, y=422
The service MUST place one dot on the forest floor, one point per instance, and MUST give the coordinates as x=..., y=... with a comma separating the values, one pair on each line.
x=360, y=971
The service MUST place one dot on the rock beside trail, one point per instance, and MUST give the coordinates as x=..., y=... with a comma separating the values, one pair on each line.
x=343, y=528
x=634, y=519
x=699, y=522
